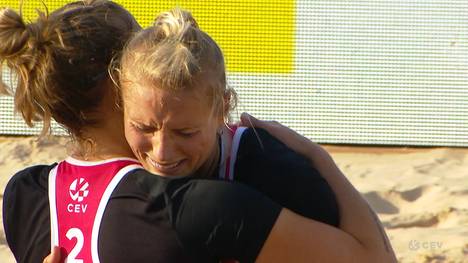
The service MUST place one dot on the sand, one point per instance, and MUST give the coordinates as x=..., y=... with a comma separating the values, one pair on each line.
x=420, y=194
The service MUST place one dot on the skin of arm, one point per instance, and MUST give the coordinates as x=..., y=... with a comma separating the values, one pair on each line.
x=360, y=238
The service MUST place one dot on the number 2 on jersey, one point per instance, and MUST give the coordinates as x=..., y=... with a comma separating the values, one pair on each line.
x=75, y=233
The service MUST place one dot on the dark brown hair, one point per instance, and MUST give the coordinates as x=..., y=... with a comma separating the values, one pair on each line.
x=3, y=87
x=62, y=59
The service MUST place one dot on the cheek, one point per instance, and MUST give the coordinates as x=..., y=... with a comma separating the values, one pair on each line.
x=204, y=146
x=138, y=143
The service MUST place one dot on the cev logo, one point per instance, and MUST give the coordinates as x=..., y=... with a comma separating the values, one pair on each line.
x=79, y=189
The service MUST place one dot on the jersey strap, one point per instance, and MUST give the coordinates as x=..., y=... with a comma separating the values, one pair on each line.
x=78, y=195
x=229, y=146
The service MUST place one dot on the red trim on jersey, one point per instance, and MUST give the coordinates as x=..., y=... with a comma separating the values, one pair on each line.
x=227, y=175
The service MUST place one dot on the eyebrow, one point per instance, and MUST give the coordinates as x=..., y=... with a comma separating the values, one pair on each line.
x=143, y=124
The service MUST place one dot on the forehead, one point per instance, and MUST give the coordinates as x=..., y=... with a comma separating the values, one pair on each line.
x=152, y=104
x=202, y=88
x=148, y=92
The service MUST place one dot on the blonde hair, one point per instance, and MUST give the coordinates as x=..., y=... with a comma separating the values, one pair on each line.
x=62, y=59
x=171, y=54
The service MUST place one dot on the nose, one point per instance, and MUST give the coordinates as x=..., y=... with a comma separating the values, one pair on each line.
x=163, y=147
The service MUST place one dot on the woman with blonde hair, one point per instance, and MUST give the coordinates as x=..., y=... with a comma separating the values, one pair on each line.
x=176, y=107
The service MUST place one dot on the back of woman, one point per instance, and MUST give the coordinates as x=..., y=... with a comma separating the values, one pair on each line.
x=61, y=63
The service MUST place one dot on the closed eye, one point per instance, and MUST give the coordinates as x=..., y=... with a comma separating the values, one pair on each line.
x=142, y=128
x=186, y=134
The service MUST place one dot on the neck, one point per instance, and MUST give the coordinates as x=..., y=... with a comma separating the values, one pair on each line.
x=209, y=169
x=101, y=143
x=101, y=148
x=106, y=139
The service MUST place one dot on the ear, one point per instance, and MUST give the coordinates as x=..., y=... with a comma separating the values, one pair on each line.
x=226, y=103
x=220, y=118
x=224, y=110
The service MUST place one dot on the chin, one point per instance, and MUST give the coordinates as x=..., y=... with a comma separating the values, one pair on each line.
x=152, y=170
x=149, y=168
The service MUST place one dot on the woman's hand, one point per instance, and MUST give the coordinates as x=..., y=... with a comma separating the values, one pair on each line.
x=53, y=257
x=292, y=139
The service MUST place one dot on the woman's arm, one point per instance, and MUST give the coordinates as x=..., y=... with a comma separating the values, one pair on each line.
x=361, y=237
x=298, y=239
x=287, y=177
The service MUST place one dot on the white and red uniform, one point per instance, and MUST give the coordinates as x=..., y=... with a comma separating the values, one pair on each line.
x=150, y=218
x=78, y=194
x=230, y=140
